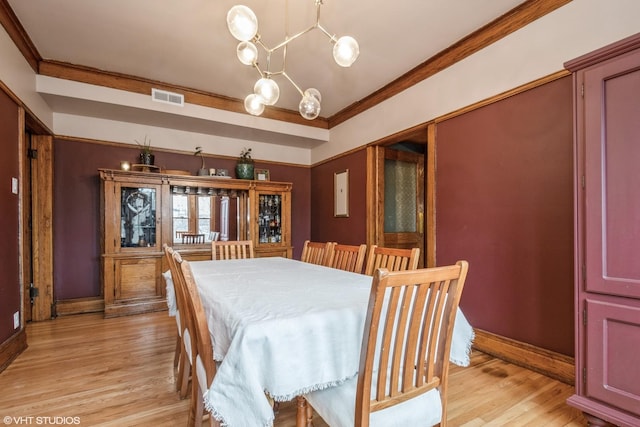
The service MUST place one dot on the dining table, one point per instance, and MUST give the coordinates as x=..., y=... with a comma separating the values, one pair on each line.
x=281, y=328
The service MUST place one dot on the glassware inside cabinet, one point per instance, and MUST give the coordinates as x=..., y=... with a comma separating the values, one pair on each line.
x=269, y=219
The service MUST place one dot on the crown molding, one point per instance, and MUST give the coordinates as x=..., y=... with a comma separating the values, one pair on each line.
x=16, y=31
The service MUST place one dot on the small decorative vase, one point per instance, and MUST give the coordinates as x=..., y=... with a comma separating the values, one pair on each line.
x=244, y=170
x=146, y=158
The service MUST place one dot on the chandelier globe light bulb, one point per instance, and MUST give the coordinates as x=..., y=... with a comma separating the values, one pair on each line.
x=253, y=104
x=268, y=90
x=309, y=106
x=346, y=51
x=247, y=53
x=312, y=91
x=242, y=23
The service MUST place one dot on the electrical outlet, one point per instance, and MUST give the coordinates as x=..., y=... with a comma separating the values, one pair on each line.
x=16, y=320
x=14, y=185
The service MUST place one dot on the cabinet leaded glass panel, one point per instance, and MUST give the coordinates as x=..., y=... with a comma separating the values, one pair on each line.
x=137, y=217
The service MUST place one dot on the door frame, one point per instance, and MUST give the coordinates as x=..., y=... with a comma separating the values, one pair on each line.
x=37, y=220
x=422, y=133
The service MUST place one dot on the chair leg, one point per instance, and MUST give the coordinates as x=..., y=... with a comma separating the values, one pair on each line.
x=184, y=372
x=176, y=356
x=196, y=406
x=186, y=382
x=304, y=413
x=181, y=367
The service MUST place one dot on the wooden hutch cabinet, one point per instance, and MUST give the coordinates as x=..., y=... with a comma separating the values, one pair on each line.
x=607, y=265
x=140, y=211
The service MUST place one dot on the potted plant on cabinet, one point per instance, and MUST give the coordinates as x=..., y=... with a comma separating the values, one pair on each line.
x=146, y=154
x=244, y=167
x=202, y=171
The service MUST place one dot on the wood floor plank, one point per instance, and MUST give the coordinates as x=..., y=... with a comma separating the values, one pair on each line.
x=119, y=372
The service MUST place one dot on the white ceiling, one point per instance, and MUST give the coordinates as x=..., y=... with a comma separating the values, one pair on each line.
x=187, y=43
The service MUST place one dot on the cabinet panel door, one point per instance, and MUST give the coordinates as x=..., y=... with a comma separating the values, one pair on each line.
x=138, y=278
x=612, y=191
x=613, y=374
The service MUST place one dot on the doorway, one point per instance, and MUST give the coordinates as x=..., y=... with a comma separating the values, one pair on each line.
x=396, y=195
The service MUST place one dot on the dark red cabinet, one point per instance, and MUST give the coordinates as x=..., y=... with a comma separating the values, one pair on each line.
x=607, y=247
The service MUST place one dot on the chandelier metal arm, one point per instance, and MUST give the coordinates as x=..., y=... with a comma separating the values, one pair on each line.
x=257, y=67
x=328, y=34
x=286, y=76
x=290, y=39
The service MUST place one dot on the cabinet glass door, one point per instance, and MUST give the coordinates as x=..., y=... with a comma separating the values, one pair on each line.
x=137, y=217
x=269, y=218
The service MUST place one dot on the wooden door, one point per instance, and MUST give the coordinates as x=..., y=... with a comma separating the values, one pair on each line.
x=399, y=207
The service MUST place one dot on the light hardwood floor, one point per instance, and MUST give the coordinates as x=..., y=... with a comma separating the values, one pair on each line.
x=119, y=372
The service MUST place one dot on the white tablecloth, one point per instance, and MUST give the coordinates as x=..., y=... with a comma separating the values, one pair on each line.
x=284, y=328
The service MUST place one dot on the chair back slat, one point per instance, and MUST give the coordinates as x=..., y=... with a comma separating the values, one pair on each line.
x=407, y=337
x=393, y=259
x=348, y=257
x=192, y=238
x=231, y=249
x=317, y=252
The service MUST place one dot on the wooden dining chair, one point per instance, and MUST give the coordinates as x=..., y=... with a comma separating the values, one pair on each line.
x=404, y=357
x=317, y=252
x=392, y=259
x=204, y=367
x=232, y=249
x=348, y=257
x=184, y=321
x=168, y=254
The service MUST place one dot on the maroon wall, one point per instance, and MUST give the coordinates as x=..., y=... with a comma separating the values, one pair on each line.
x=9, y=220
x=504, y=203
x=324, y=226
x=77, y=206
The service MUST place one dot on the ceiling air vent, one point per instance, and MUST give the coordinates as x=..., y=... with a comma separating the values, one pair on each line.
x=167, y=97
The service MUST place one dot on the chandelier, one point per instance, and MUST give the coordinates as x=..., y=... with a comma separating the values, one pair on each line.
x=243, y=25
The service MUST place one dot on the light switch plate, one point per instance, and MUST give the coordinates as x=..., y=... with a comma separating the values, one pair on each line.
x=16, y=320
x=14, y=185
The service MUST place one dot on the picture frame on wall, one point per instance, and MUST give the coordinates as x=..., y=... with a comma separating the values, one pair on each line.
x=341, y=193
x=261, y=175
